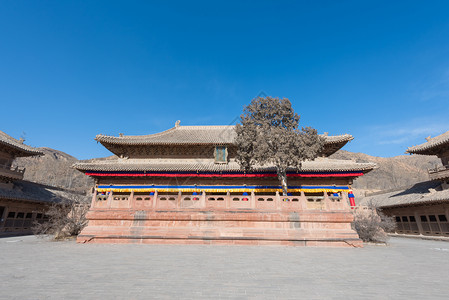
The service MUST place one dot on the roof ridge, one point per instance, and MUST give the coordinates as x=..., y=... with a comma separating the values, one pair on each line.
x=186, y=127
x=138, y=136
x=336, y=135
x=204, y=126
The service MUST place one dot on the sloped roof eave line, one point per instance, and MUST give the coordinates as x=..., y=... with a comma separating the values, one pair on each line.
x=415, y=203
x=430, y=145
x=219, y=134
x=9, y=141
x=121, y=167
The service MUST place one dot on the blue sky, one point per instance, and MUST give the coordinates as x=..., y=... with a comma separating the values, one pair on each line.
x=69, y=70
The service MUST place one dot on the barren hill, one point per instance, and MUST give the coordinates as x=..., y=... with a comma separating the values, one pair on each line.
x=54, y=168
x=392, y=172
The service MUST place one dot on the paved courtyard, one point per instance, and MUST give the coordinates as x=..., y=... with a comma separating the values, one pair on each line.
x=34, y=268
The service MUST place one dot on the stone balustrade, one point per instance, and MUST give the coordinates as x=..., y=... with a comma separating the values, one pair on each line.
x=439, y=172
x=12, y=172
x=210, y=201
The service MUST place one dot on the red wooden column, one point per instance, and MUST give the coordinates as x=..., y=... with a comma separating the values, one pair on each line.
x=351, y=199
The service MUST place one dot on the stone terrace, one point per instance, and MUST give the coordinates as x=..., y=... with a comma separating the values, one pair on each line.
x=38, y=269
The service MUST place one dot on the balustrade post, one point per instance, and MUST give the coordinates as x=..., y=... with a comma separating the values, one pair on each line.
x=328, y=204
x=94, y=199
x=131, y=199
x=203, y=199
x=253, y=200
x=178, y=200
x=278, y=200
x=155, y=200
x=345, y=201
x=110, y=198
x=303, y=200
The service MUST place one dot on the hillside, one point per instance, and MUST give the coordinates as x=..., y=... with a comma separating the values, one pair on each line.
x=54, y=168
x=392, y=172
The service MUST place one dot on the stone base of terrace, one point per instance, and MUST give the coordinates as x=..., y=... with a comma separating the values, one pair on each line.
x=197, y=219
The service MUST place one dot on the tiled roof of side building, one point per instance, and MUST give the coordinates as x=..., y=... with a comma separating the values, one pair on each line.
x=419, y=194
x=320, y=164
x=18, y=146
x=432, y=146
x=34, y=192
x=193, y=135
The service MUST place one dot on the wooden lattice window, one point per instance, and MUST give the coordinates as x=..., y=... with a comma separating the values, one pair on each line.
x=221, y=154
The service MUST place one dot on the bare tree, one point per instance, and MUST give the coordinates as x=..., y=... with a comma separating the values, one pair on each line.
x=269, y=134
x=65, y=219
x=372, y=224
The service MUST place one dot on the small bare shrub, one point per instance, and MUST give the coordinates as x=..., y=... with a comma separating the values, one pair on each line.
x=65, y=219
x=372, y=224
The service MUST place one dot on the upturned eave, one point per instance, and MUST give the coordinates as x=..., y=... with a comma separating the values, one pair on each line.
x=198, y=135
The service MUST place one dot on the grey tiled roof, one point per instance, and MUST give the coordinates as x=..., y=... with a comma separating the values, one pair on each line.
x=193, y=135
x=430, y=146
x=21, y=148
x=33, y=192
x=176, y=136
x=335, y=139
x=415, y=195
x=320, y=164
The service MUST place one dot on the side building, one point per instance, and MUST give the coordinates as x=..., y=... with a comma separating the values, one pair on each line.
x=423, y=208
x=21, y=202
x=184, y=185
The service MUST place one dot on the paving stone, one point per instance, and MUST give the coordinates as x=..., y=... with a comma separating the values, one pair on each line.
x=34, y=268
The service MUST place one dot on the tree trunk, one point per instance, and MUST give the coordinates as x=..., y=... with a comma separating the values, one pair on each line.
x=282, y=175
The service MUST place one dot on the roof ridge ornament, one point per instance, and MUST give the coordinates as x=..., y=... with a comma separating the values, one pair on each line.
x=177, y=123
x=428, y=138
